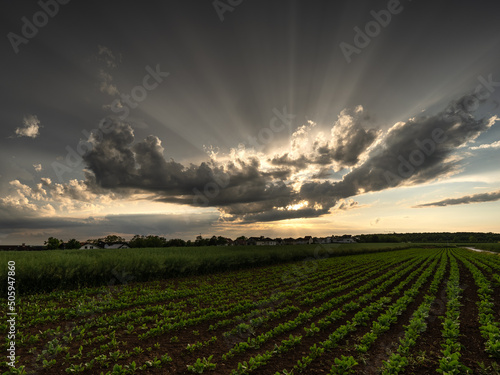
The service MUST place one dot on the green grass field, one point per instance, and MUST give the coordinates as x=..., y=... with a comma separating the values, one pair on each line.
x=44, y=271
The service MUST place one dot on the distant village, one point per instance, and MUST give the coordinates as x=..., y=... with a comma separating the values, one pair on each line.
x=116, y=242
x=140, y=241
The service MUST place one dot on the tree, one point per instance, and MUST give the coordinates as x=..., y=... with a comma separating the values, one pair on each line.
x=111, y=238
x=177, y=242
x=137, y=241
x=200, y=241
x=222, y=240
x=53, y=243
x=212, y=241
x=147, y=241
x=73, y=244
x=155, y=241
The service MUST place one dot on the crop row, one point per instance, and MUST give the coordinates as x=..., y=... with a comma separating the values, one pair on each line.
x=489, y=327
x=363, y=316
x=417, y=325
x=253, y=321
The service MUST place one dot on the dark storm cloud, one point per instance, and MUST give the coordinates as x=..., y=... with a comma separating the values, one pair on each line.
x=413, y=152
x=276, y=215
x=467, y=199
x=323, y=173
x=351, y=136
x=118, y=163
x=350, y=139
x=285, y=160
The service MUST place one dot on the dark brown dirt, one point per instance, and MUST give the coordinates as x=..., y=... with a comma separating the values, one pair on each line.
x=473, y=349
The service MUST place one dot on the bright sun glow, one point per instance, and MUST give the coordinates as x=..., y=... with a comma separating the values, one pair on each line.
x=297, y=206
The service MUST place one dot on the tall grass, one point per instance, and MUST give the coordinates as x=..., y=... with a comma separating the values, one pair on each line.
x=45, y=271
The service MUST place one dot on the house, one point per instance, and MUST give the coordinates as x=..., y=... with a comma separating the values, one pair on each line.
x=303, y=241
x=265, y=242
x=322, y=240
x=229, y=242
x=307, y=240
x=239, y=242
x=88, y=245
x=346, y=238
x=117, y=245
x=253, y=240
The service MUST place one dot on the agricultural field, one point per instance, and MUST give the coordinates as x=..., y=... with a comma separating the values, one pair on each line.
x=410, y=311
x=44, y=271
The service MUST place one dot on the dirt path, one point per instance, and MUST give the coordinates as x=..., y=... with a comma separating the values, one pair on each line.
x=482, y=251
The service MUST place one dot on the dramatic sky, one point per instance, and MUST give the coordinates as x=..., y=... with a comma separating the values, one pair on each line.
x=248, y=117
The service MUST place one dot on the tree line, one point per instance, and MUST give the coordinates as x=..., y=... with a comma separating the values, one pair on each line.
x=138, y=241
x=141, y=241
x=443, y=237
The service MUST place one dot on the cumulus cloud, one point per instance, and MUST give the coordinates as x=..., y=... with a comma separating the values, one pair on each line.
x=30, y=128
x=350, y=138
x=46, y=198
x=38, y=167
x=116, y=161
x=467, y=199
x=412, y=152
x=248, y=186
